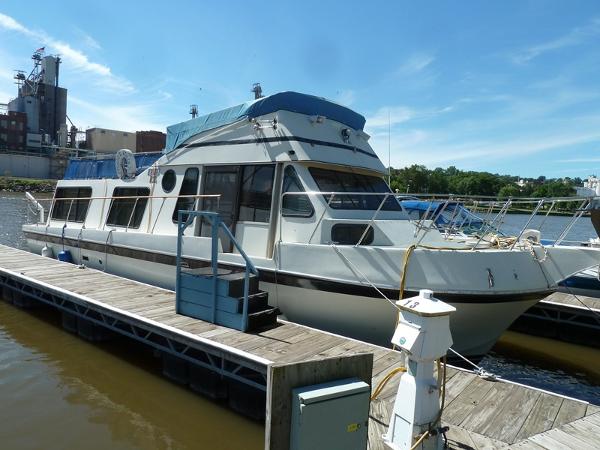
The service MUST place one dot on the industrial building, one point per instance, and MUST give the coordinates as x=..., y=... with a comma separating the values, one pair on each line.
x=43, y=102
x=35, y=137
x=102, y=140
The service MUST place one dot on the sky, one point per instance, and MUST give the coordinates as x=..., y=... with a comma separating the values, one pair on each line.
x=509, y=87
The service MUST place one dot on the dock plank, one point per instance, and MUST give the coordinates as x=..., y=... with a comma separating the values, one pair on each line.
x=542, y=416
x=471, y=396
x=569, y=411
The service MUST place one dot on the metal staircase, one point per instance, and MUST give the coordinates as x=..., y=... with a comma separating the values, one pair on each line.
x=229, y=298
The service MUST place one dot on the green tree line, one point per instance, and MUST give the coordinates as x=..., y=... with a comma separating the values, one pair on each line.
x=419, y=179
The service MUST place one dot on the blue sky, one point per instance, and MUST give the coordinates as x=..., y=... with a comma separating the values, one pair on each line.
x=508, y=87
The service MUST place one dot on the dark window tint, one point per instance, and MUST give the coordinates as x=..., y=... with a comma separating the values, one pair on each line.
x=350, y=233
x=256, y=192
x=128, y=211
x=294, y=205
x=335, y=181
x=189, y=187
x=75, y=204
x=168, y=180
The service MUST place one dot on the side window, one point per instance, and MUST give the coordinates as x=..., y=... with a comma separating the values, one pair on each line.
x=256, y=193
x=129, y=210
x=294, y=205
x=350, y=233
x=189, y=186
x=71, y=206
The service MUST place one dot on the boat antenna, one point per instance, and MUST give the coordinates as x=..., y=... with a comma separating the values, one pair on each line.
x=257, y=89
x=194, y=111
x=389, y=149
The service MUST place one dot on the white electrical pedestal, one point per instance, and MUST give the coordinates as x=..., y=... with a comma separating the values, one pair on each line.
x=424, y=333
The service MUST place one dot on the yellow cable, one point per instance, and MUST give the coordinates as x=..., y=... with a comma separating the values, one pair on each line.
x=385, y=380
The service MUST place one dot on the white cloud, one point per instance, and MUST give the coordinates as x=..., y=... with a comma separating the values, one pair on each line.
x=73, y=59
x=576, y=36
x=578, y=160
x=390, y=115
x=346, y=97
x=127, y=117
x=415, y=64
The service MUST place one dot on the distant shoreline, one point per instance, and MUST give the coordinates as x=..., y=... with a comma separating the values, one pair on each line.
x=13, y=184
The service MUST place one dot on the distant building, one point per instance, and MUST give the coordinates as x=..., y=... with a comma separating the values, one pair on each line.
x=103, y=140
x=591, y=186
x=42, y=101
x=522, y=183
x=13, y=131
x=150, y=141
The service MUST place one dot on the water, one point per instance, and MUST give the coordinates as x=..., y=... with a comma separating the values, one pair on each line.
x=58, y=391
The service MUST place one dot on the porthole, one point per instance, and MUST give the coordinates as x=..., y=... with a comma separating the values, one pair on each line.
x=168, y=180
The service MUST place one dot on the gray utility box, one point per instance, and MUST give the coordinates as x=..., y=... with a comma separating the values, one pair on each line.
x=330, y=416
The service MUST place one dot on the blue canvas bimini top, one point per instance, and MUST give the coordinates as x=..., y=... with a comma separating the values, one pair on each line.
x=104, y=167
x=289, y=101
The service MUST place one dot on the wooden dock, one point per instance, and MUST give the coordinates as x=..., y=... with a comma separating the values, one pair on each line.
x=481, y=414
x=563, y=316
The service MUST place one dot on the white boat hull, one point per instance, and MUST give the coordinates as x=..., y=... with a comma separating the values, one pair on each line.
x=476, y=325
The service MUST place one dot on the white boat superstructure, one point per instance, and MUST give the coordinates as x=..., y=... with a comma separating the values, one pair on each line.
x=296, y=181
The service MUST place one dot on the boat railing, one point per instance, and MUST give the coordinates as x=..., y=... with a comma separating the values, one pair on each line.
x=494, y=212
x=186, y=218
x=534, y=206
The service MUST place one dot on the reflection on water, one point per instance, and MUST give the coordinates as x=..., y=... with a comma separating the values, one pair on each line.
x=57, y=391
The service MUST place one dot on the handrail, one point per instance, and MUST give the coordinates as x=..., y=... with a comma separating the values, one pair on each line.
x=216, y=223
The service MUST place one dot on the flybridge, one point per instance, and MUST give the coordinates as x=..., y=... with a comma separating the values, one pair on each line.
x=288, y=101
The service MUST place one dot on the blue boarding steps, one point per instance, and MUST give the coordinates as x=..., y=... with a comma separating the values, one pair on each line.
x=226, y=297
x=195, y=299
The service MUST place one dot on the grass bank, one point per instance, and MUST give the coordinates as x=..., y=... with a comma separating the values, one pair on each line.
x=11, y=184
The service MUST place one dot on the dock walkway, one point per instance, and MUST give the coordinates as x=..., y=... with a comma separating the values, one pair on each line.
x=480, y=413
x=566, y=317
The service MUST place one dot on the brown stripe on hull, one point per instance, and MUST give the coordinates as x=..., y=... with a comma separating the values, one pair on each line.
x=283, y=278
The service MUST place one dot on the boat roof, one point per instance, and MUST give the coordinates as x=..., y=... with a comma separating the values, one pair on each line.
x=311, y=105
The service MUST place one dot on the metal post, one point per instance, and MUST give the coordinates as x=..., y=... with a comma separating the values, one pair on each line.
x=246, y=292
x=539, y=205
x=215, y=223
x=370, y=225
x=178, y=262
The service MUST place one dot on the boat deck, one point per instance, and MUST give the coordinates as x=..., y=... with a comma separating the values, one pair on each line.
x=480, y=413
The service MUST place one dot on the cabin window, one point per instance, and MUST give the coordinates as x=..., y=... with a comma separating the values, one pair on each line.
x=350, y=233
x=294, y=205
x=256, y=192
x=168, y=180
x=129, y=210
x=189, y=187
x=339, y=182
x=74, y=204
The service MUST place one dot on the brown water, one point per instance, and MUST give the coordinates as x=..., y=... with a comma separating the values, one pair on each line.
x=59, y=392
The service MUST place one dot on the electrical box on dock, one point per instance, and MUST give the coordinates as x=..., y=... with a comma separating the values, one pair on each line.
x=330, y=416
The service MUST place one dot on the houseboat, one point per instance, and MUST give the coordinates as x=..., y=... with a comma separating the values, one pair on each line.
x=294, y=178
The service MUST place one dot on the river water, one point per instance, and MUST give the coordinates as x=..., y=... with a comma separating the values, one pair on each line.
x=58, y=391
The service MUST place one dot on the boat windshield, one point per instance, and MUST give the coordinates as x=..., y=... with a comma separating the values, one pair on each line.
x=354, y=183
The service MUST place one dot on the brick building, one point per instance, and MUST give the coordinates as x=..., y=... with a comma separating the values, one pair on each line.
x=13, y=131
